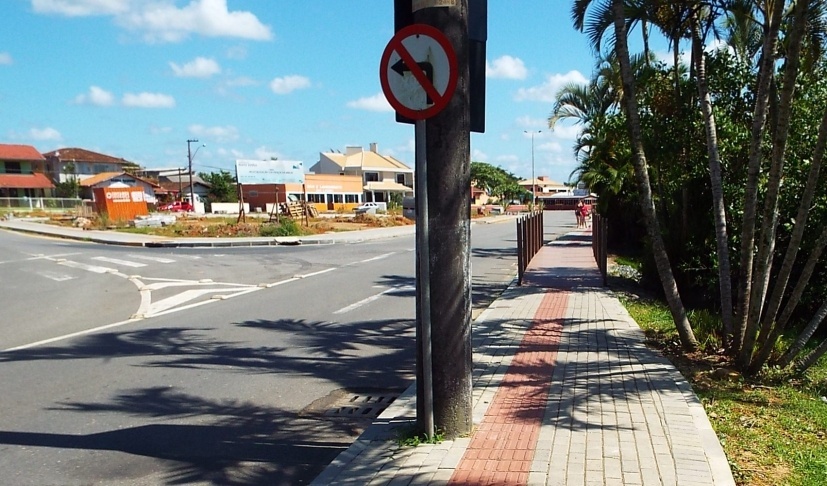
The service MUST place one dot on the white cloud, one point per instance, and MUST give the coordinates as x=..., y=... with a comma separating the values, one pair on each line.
x=377, y=102
x=200, y=67
x=506, y=67
x=165, y=22
x=548, y=90
x=237, y=52
x=80, y=8
x=528, y=123
x=264, y=153
x=42, y=134
x=162, y=20
x=156, y=130
x=96, y=96
x=550, y=146
x=148, y=100
x=5, y=58
x=507, y=159
x=566, y=131
x=288, y=84
x=227, y=133
x=241, y=81
x=478, y=155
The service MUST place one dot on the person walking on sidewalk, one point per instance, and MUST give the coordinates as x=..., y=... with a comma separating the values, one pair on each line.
x=578, y=214
x=585, y=215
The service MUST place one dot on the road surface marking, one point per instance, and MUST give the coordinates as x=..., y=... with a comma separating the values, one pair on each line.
x=153, y=259
x=380, y=257
x=116, y=261
x=57, y=277
x=83, y=266
x=372, y=298
x=72, y=335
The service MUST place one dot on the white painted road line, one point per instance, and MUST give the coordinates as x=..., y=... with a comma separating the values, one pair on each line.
x=372, y=298
x=57, y=277
x=88, y=268
x=152, y=259
x=116, y=261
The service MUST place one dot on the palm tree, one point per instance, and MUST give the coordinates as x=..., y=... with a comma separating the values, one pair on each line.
x=718, y=205
x=662, y=263
x=769, y=219
x=745, y=275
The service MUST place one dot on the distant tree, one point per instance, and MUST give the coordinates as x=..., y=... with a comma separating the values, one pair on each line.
x=71, y=186
x=496, y=181
x=222, y=186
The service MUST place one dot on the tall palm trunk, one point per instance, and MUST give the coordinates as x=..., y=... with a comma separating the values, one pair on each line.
x=765, y=75
x=809, y=360
x=718, y=206
x=769, y=223
x=667, y=278
x=795, y=297
x=766, y=341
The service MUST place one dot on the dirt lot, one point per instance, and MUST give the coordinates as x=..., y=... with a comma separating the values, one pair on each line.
x=195, y=226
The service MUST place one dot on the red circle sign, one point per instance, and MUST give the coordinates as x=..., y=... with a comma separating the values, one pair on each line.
x=418, y=71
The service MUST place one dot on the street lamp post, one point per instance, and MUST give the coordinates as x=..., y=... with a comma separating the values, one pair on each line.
x=190, y=156
x=533, y=178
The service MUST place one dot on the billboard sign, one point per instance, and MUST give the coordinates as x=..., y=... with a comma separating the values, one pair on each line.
x=269, y=172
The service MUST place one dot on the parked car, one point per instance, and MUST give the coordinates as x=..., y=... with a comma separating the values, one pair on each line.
x=176, y=206
x=370, y=208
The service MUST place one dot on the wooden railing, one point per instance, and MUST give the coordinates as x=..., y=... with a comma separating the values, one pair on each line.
x=600, y=229
x=529, y=241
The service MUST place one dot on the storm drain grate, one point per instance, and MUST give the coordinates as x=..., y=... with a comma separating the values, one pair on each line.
x=361, y=405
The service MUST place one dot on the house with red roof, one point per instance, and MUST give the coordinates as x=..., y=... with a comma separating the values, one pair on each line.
x=118, y=180
x=21, y=172
x=76, y=163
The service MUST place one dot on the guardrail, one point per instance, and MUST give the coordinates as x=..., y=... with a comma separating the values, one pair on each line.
x=600, y=230
x=39, y=203
x=529, y=241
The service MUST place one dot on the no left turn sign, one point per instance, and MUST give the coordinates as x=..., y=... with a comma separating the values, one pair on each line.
x=418, y=71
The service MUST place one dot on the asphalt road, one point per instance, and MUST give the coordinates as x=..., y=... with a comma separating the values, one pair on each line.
x=239, y=366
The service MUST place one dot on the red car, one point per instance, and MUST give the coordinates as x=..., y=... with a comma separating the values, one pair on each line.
x=176, y=206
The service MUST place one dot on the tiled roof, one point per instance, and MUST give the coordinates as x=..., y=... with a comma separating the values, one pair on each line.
x=25, y=181
x=367, y=159
x=19, y=152
x=83, y=155
x=105, y=176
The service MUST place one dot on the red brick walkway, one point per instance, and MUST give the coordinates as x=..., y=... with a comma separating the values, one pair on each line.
x=502, y=448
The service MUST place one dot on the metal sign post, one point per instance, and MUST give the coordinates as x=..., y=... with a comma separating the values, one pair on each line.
x=418, y=73
x=422, y=239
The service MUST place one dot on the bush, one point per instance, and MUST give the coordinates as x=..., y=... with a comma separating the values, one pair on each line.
x=287, y=227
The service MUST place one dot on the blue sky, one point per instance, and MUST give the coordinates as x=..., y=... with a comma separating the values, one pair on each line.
x=255, y=79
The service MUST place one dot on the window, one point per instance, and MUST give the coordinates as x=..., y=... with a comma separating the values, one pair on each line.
x=400, y=179
x=315, y=198
x=351, y=198
x=371, y=177
x=13, y=168
x=338, y=198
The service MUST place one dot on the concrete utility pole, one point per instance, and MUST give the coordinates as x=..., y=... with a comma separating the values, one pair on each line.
x=189, y=159
x=448, y=142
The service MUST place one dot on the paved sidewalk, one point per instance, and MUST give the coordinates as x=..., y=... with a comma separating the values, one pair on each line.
x=565, y=393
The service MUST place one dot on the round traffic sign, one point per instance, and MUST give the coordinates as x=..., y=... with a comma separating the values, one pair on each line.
x=418, y=71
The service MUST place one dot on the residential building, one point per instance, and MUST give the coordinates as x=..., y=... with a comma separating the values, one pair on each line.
x=543, y=186
x=177, y=186
x=68, y=163
x=118, y=180
x=327, y=192
x=382, y=175
x=21, y=172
